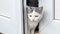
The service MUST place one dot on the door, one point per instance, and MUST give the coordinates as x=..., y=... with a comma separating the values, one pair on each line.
x=50, y=24
x=9, y=16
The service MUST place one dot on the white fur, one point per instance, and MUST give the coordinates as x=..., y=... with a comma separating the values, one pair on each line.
x=33, y=20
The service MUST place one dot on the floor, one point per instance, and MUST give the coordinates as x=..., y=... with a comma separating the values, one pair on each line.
x=36, y=33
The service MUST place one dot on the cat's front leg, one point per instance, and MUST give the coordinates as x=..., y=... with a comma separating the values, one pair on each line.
x=28, y=31
x=32, y=31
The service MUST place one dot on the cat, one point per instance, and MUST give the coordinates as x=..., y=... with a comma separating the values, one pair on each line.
x=34, y=16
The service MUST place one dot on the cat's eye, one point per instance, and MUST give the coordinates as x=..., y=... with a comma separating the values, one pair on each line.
x=30, y=15
x=36, y=16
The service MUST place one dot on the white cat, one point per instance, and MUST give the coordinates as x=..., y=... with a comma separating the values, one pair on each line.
x=34, y=16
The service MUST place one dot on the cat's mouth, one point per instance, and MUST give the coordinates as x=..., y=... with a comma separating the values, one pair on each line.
x=33, y=21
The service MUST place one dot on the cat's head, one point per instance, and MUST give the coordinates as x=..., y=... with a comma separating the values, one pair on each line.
x=34, y=13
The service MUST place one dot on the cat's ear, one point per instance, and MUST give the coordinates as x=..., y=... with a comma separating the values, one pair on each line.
x=29, y=9
x=40, y=9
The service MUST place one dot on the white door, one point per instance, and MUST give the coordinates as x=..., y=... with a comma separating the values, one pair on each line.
x=9, y=16
x=50, y=24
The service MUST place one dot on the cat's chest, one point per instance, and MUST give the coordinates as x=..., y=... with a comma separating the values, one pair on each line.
x=33, y=24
